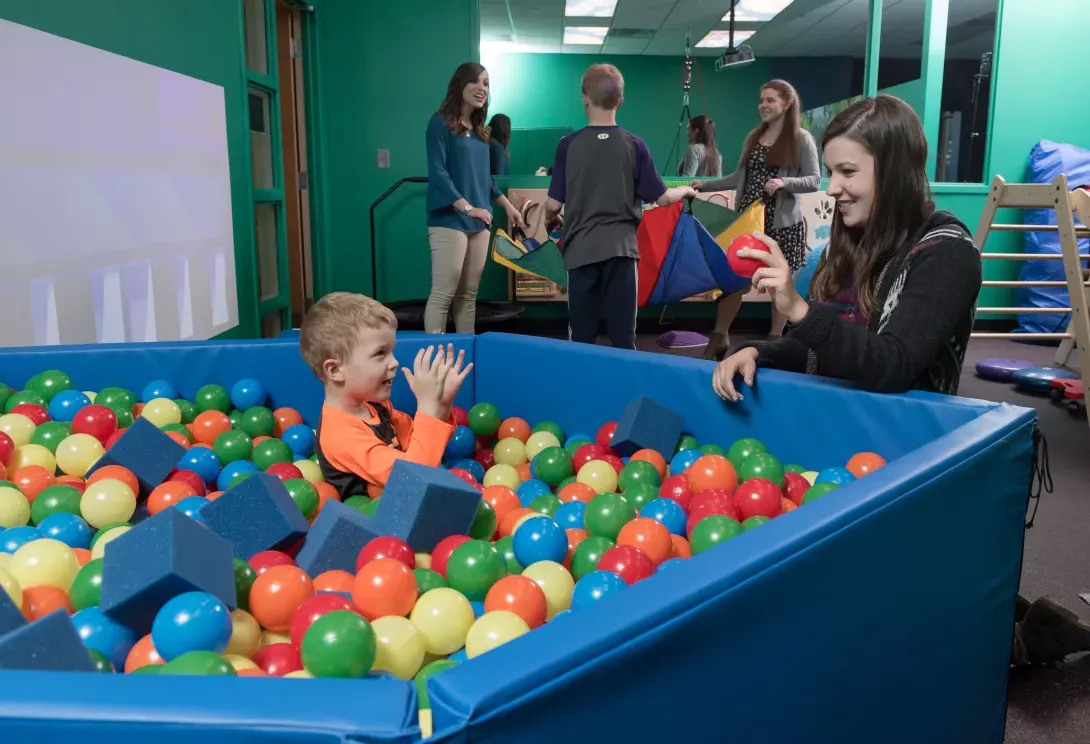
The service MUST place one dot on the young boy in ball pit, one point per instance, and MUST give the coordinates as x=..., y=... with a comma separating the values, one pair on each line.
x=348, y=341
x=891, y=304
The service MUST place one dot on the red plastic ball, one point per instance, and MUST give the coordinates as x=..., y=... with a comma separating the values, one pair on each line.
x=794, y=487
x=113, y=438
x=278, y=659
x=464, y=475
x=485, y=457
x=98, y=421
x=461, y=416
x=585, y=454
x=628, y=562
x=709, y=502
x=616, y=462
x=34, y=412
x=7, y=449
x=745, y=267
x=313, y=608
x=676, y=487
x=266, y=559
x=386, y=547
x=191, y=479
x=441, y=554
x=759, y=497
x=285, y=471
x=604, y=437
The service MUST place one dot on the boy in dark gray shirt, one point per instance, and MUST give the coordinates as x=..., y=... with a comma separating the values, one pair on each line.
x=601, y=178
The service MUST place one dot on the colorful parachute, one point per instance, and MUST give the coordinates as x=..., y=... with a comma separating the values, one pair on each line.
x=683, y=250
x=526, y=256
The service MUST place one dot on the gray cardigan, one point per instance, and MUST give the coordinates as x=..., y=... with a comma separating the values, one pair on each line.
x=803, y=179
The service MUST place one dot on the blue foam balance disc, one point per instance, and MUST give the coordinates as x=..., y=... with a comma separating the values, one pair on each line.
x=1000, y=370
x=1040, y=379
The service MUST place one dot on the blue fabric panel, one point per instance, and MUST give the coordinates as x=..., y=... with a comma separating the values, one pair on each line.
x=276, y=364
x=803, y=419
x=137, y=709
x=684, y=273
x=716, y=259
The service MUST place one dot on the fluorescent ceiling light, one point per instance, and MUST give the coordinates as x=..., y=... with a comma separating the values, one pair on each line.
x=589, y=8
x=757, y=10
x=593, y=35
x=717, y=39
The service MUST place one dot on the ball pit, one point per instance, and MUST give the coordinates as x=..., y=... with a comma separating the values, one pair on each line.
x=559, y=580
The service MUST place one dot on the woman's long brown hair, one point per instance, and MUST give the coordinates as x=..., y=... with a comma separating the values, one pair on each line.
x=784, y=152
x=704, y=128
x=451, y=108
x=890, y=131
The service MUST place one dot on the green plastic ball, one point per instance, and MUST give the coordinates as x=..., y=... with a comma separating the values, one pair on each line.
x=149, y=669
x=474, y=567
x=761, y=465
x=270, y=452
x=546, y=504
x=123, y=414
x=484, y=522
x=818, y=490
x=369, y=509
x=235, y=417
x=49, y=383
x=687, y=442
x=102, y=664
x=742, y=449
x=5, y=393
x=115, y=397
x=305, y=496
x=484, y=419
x=104, y=529
x=233, y=445
x=713, y=449
x=213, y=398
x=607, y=513
x=422, y=677
x=753, y=522
x=86, y=588
x=50, y=434
x=59, y=499
x=245, y=576
x=203, y=663
x=586, y=555
x=797, y=469
x=357, y=502
x=640, y=495
x=339, y=644
x=25, y=396
x=180, y=429
x=506, y=546
x=636, y=472
x=258, y=422
x=426, y=580
x=573, y=446
x=189, y=410
x=552, y=427
x=711, y=531
x=567, y=481
x=553, y=465
x=239, y=478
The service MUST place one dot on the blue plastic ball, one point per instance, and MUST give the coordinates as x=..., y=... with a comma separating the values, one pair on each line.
x=580, y=437
x=231, y=470
x=595, y=586
x=462, y=445
x=838, y=475
x=66, y=404
x=571, y=515
x=300, y=440
x=69, y=529
x=159, y=389
x=193, y=621
x=192, y=506
x=668, y=564
x=460, y=654
x=111, y=639
x=529, y=490
x=539, y=539
x=202, y=461
x=16, y=537
x=669, y=513
x=247, y=393
x=683, y=460
x=472, y=467
x=478, y=608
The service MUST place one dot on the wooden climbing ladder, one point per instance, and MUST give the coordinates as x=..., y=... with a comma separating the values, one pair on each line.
x=1069, y=205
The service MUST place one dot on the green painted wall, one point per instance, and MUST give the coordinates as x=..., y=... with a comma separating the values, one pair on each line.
x=199, y=38
x=910, y=92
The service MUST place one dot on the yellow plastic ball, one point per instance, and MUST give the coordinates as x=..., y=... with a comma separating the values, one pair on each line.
x=33, y=454
x=239, y=662
x=77, y=453
x=107, y=501
x=5, y=560
x=310, y=470
x=245, y=635
x=423, y=560
x=443, y=616
x=107, y=537
x=510, y=451
x=10, y=584
x=502, y=475
x=539, y=441
x=44, y=562
x=14, y=508
x=162, y=411
x=18, y=427
x=298, y=674
x=523, y=519
x=399, y=646
x=599, y=475
x=91, y=395
x=268, y=638
x=494, y=629
x=556, y=582
x=810, y=476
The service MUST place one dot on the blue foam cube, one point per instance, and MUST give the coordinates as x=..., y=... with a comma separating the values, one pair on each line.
x=49, y=644
x=145, y=450
x=158, y=559
x=422, y=505
x=336, y=539
x=257, y=514
x=11, y=617
x=646, y=424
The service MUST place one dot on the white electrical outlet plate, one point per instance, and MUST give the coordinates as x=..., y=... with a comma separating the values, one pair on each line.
x=383, y=158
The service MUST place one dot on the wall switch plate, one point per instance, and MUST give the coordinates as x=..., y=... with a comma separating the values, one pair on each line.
x=383, y=158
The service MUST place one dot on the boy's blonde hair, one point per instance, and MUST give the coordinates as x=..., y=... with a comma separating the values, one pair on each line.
x=603, y=85
x=331, y=328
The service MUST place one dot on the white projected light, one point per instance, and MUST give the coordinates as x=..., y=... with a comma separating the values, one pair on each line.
x=115, y=198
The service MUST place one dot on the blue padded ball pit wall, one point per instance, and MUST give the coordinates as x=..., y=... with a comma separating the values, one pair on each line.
x=881, y=612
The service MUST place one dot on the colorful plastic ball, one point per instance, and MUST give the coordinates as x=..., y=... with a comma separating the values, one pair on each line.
x=484, y=522
x=667, y=565
x=441, y=553
x=599, y=475
x=191, y=507
x=595, y=586
x=386, y=547
x=14, y=507
x=7, y=448
x=35, y=413
x=639, y=472
x=667, y=512
x=44, y=562
x=484, y=419
x=99, y=632
x=606, y=514
x=493, y=629
x=529, y=490
x=233, y=445
x=758, y=497
x=649, y=536
x=754, y=522
x=310, y=470
x=10, y=586
x=191, y=621
x=571, y=515
x=429, y=671
x=555, y=581
x=818, y=490
x=400, y=647
x=687, y=442
x=864, y=463
x=212, y=398
x=742, y=449
x=539, y=442
x=278, y=659
x=553, y=428
x=462, y=444
x=107, y=501
x=158, y=389
x=50, y=383
x=628, y=562
x=33, y=455
x=501, y=474
x=339, y=644
x=96, y=420
x=587, y=554
x=276, y=594
x=247, y=393
x=683, y=460
x=711, y=531
x=257, y=421
x=443, y=616
x=473, y=567
x=77, y=453
x=66, y=404
x=67, y=528
x=384, y=586
x=232, y=470
x=510, y=452
x=839, y=476
x=712, y=471
x=300, y=439
x=540, y=539
x=304, y=494
x=762, y=465
x=552, y=465
x=200, y=663
x=794, y=487
x=58, y=499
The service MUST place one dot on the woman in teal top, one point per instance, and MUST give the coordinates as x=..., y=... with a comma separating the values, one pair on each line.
x=460, y=189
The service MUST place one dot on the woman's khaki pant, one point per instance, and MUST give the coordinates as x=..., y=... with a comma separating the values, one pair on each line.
x=457, y=262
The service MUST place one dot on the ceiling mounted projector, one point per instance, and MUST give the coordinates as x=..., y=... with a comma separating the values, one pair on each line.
x=734, y=57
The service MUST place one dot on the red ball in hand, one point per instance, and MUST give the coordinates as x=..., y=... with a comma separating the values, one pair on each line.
x=742, y=266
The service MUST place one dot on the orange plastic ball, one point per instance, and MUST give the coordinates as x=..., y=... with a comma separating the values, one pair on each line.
x=72, y=480
x=83, y=555
x=326, y=493
x=168, y=494
x=32, y=480
x=39, y=601
x=284, y=419
x=208, y=425
x=520, y=595
x=277, y=593
x=515, y=428
x=788, y=505
x=142, y=654
x=334, y=581
x=507, y=526
x=575, y=535
x=524, y=472
x=179, y=438
x=680, y=547
x=385, y=586
x=502, y=500
x=116, y=472
x=251, y=673
x=213, y=495
x=653, y=457
x=650, y=536
x=712, y=471
x=576, y=491
x=864, y=463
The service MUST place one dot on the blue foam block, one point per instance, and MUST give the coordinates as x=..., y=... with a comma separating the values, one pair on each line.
x=335, y=539
x=422, y=505
x=157, y=560
x=11, y=617
x=48, y=644
x=257, y=514
x=646, y=424
x=145, y=450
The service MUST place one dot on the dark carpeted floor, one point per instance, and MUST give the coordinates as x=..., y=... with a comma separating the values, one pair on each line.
x=1046, y=704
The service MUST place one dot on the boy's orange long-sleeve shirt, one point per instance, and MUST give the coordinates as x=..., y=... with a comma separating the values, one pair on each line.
x=357, y=454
